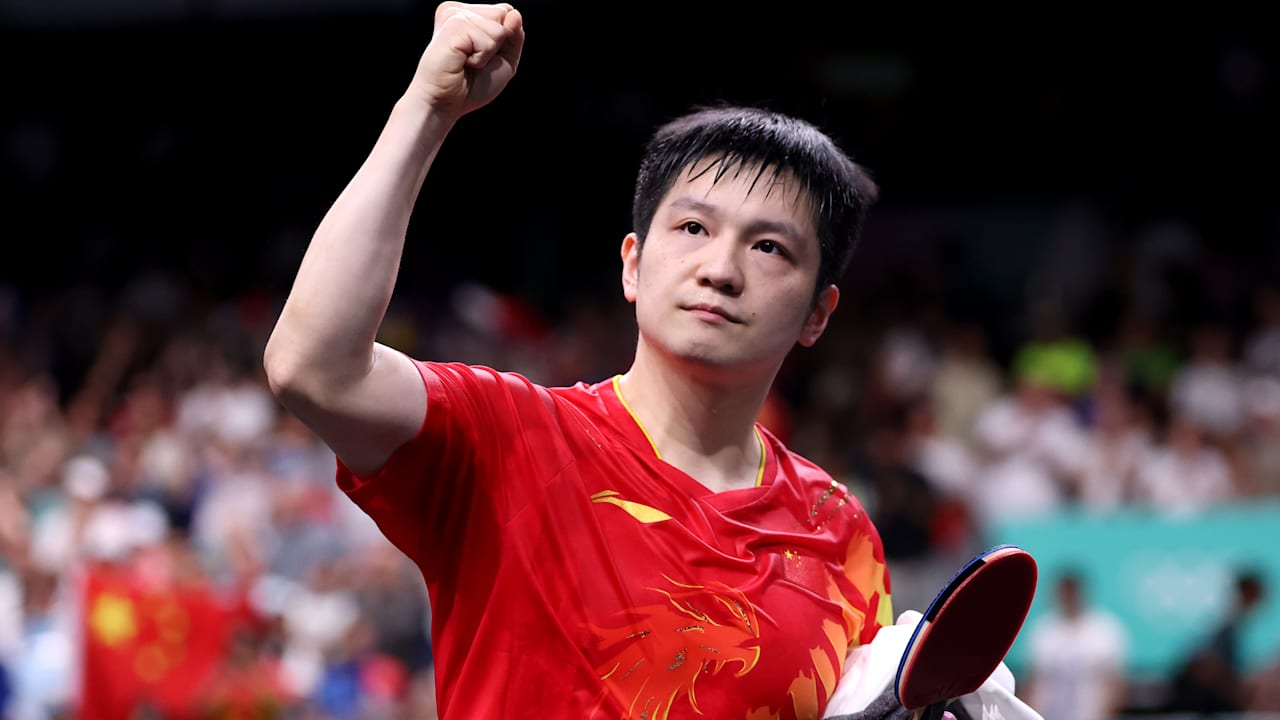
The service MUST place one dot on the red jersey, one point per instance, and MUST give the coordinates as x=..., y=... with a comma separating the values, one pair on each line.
x=575, y=574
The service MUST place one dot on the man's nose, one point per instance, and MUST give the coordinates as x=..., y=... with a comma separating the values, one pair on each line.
x=720, y=266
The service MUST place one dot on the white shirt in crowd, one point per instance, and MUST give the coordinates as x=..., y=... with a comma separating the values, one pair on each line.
x=1075, y=662
x=1029, y=457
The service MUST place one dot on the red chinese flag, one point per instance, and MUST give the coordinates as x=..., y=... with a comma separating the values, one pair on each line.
x=148, y=647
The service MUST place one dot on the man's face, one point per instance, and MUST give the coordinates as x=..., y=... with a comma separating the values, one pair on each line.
x=726, y=277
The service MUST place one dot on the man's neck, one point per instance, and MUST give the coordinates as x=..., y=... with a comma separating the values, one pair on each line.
x=705, y=429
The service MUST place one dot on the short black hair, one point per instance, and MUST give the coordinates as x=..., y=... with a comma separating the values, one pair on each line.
x=737, y=137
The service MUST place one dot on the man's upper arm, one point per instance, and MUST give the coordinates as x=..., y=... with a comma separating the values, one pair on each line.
x=366, y=421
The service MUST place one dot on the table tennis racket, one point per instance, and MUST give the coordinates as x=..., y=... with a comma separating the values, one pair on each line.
x=967, y=630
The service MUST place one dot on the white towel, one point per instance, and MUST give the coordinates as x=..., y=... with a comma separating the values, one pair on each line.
x=869, y=672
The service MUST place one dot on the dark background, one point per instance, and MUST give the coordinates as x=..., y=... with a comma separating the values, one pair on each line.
x=207, y=139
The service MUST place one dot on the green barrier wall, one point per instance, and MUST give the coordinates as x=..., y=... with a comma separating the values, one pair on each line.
x=1168, y=580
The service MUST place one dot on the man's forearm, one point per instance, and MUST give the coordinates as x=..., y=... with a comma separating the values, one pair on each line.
x=344, y=284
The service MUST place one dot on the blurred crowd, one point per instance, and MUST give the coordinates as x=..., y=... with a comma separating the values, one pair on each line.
x=170, y=467
x=140, y=445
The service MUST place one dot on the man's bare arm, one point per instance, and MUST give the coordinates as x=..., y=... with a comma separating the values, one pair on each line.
x=322, y=359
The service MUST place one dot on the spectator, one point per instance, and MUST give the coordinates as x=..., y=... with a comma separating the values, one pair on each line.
x=1208, y=390
x=1211, y=678
x=1029, y=445
x=1117, y=445
x=966, y=381
x=1186, y=475
x=1078, y=656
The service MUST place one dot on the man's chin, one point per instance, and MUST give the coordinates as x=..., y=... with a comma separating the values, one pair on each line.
x=715, y=366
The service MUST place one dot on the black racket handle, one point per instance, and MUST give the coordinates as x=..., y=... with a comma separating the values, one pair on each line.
x=932, y=711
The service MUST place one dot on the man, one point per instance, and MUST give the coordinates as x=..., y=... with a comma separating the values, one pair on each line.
x=637, y=547
x=1078, y=656
x=1211, y=680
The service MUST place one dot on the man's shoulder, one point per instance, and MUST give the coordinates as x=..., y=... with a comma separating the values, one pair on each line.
x=484, y=376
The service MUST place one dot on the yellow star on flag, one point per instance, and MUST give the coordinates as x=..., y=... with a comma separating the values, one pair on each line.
x=112, y=619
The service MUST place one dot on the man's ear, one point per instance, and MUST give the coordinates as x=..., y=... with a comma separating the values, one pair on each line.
x=816, y=323
x=630, y=266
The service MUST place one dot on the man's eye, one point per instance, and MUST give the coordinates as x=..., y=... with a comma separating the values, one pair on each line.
x=770, y=247
x=692, y=227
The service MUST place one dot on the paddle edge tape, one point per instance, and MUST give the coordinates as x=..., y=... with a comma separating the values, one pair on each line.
x=943, y=599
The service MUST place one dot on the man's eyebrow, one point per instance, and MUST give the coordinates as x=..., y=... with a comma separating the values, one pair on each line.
x=688, y=203
x=776, y=227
